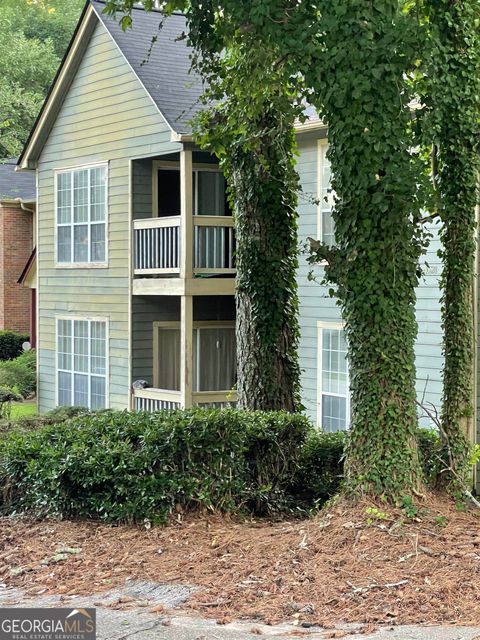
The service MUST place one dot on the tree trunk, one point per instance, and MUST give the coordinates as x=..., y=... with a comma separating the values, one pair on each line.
x=455, y=90
x=265, y=196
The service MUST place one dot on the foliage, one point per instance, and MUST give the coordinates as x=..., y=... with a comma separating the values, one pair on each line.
x=361, y=90
x=453, y=101
x=130, y=466
x=33, y=39
x=24, y=423
x=321, y=466
x=11, y=344
x=7, y=396
x=249, y=126
x=20, y=374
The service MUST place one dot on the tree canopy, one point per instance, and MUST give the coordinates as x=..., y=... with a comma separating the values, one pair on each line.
x=33, y=40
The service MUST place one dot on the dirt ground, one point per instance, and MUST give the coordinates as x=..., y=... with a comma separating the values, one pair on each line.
x=355, y=563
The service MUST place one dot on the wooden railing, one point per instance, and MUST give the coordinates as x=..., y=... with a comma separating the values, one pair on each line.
x=161, y=399
x=214, y=244
x=157, y=245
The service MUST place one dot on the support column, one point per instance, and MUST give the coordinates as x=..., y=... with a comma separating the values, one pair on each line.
x=186, y=214
x=186, y=350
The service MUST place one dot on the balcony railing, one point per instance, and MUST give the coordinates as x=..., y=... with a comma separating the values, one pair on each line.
x=157, y=245
x=214, y=244
x=161, y=399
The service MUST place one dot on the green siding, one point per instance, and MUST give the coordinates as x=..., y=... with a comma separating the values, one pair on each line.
x=316, y=305
x=106, y=116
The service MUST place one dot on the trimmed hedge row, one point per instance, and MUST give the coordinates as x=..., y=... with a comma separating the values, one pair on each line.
x=121, y=466
x=131, y=466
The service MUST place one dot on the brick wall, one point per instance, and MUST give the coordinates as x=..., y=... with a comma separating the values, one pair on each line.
x=16, y=243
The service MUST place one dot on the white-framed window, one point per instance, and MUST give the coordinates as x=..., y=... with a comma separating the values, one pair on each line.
x=326, y=230
x=81, y=215
x=333, y=403
x=214, y=356
x=82, y=362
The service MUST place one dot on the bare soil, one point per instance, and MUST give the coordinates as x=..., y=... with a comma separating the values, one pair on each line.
x=353, y=563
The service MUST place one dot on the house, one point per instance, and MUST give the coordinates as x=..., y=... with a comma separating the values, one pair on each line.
x=135, y=243
x=17, y=230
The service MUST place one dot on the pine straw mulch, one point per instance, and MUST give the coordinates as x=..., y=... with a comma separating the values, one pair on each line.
x=335, y=567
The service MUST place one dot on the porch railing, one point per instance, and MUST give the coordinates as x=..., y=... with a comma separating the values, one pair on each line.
x=157, y=245
x=161, y=399
x=214, y=245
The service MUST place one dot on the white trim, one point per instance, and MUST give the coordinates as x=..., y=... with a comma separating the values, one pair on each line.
x=322, y=144
x=338, y=326
x=72, y=318
x=71, y=169
x=305, y=127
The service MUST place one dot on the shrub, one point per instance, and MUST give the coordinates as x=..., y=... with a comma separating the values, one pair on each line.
x=20, y=374
x=11, y=344
x=130, y=466
x=320, y=471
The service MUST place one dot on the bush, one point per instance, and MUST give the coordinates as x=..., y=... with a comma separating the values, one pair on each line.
x=20, y=374
x=320, y=472
x=11, y=344
x=130, y=466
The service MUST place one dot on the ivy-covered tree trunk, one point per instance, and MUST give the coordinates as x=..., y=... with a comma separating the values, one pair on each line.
x=267, y=332
x=455, y=95
x=362, y=95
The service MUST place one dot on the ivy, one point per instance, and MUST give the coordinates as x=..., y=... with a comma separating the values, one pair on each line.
x=361, y=89
x=453, y=98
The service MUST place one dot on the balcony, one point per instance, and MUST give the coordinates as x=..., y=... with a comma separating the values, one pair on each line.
x=158, y=242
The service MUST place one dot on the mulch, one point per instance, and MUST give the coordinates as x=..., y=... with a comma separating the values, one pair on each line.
x=354, y=563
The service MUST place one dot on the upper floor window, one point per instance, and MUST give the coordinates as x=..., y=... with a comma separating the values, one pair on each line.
x=81, y=213
x=326, y=230
x=209, y=192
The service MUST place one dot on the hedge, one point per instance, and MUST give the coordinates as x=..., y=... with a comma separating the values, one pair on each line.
x=11, y=344
x=120, y=466
x=131, y=466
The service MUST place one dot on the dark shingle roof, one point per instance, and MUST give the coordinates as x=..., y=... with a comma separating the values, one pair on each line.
x=15, y=184
x=164, y=68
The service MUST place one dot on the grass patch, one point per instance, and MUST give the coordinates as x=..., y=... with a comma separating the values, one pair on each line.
x=23, y=410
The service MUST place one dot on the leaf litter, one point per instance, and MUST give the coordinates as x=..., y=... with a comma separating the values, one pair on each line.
x=339, y=566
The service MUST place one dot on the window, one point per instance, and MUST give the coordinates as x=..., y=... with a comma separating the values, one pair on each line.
x=209, y=192
x=326, y=231
x=82, y=363
x=81, y=204
x=333, y=393
x=214, y=356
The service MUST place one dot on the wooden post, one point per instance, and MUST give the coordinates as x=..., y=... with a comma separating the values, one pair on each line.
x=186, y=350
x=186, y=215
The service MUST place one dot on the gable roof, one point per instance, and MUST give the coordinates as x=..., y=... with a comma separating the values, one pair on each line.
x=163, y=66
x=15, y=185
x=158, y=56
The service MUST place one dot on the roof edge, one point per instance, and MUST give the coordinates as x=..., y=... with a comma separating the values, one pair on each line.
x=27, y=159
